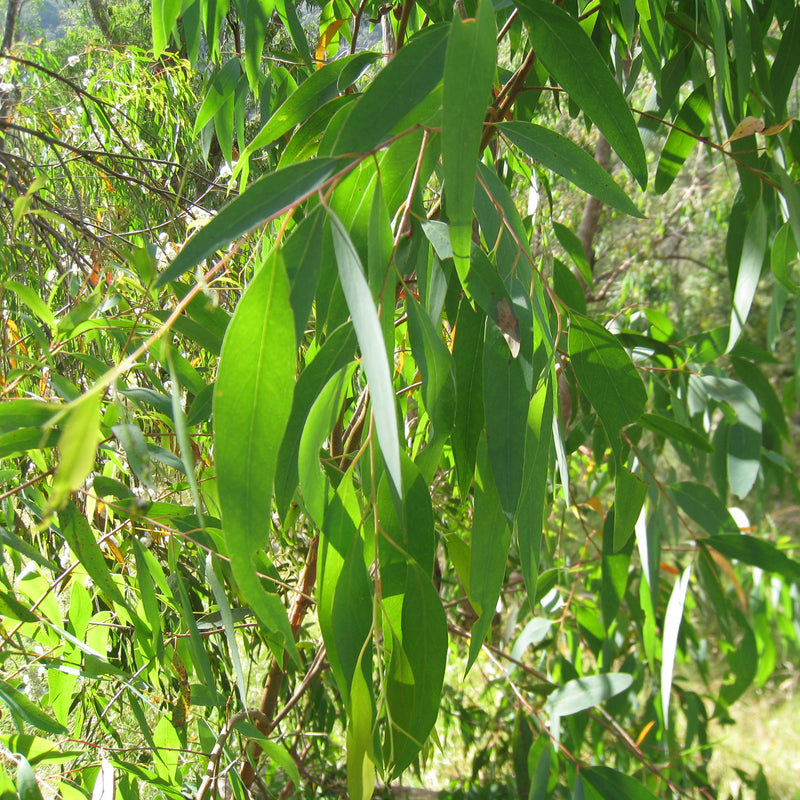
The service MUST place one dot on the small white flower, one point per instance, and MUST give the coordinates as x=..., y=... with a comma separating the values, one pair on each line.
x=72, y=60
x=6, y=87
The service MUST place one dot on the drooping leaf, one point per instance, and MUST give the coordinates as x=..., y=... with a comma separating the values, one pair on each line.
x=612, y=784
x=369, y=333
x=562, y=156
x=252, y=401
x=491, y=539
x=606, y=375
x=582, y=693
x=23, y=710
x=401, y=86
x=672, y=624
x=263, y=200
x=688, y=126
x=468, y=74
x=614, y=569
x=77, y=448
x=78, y=533
x=573, y=60
x=756, y=552
x=704, y=507
x=27, y=787
x=529, y=522
x=220, y=89
x=748, y=271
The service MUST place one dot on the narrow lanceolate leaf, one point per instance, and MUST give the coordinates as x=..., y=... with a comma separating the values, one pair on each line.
x=672, y=625
x=530, y=512
x=582, y=693
x=558, y=154
x=757, y=553
x=491, y=539
x=468, y=76
x=689, y=125
x=749, y=271
x=320, y=87
x=369, y=333
x=570, y=56
x=607, y=376
x=252, y=401
x=79, y=536
x=402, y=85
x=23, y=710
x=704, y=507
x=264, y=200
x=77, y=447
x=608, y=783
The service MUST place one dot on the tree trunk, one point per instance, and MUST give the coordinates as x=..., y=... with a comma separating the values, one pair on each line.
x=591, y=211
x=12, y=15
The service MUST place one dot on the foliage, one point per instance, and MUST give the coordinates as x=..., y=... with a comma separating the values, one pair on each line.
x=367, y=441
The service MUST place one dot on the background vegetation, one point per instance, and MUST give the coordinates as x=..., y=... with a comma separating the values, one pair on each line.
x=399, y=396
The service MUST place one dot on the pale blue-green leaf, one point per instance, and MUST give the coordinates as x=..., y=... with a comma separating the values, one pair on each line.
x=704, y=507
x=562, y=156
x=468, y=75
x=369, y=333
x=573, y=60
x=582, y=693
x=262, y=201
x=672, y=625
x=252, y=401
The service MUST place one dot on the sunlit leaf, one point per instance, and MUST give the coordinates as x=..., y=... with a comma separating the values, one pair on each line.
x=672, y=624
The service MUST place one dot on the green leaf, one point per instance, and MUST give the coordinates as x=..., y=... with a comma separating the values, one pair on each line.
x=491, y=539
x=338, y=351
x=262, y=201
x=505, y=399
x=78, y=533
x=313, y=93
x=669, y=429
x=529, y=521
x=688, y=126
x=572, y=244
x=613, y=785
x=24, y=711
x=27, y=787
x=614, y=569
x=29, y=297
x=760, y=386
x=672, y=625
x=437, y=369
x=787, y=60
x=77, y=447
x=558, y=154
x=369, y=333
x=755, y=552
x=220, y=89
x=748, y=272
x=704, y=507
x=629, y=494
x=252, y=401
x=424, y=642
x=582, y=693
x=783, y=256
x=468, y=359
x=468, y=75
x=606, y=375
x=402, y=85
x=360, y=764
x=572, y=59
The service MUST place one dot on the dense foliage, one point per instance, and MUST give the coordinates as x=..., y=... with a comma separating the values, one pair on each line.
x=339, y=442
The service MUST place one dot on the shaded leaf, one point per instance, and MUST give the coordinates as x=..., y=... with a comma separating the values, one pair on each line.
x=574, y=61
x=612, y=784
x=558, y=154
x=755, y=552
x=26, y=712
